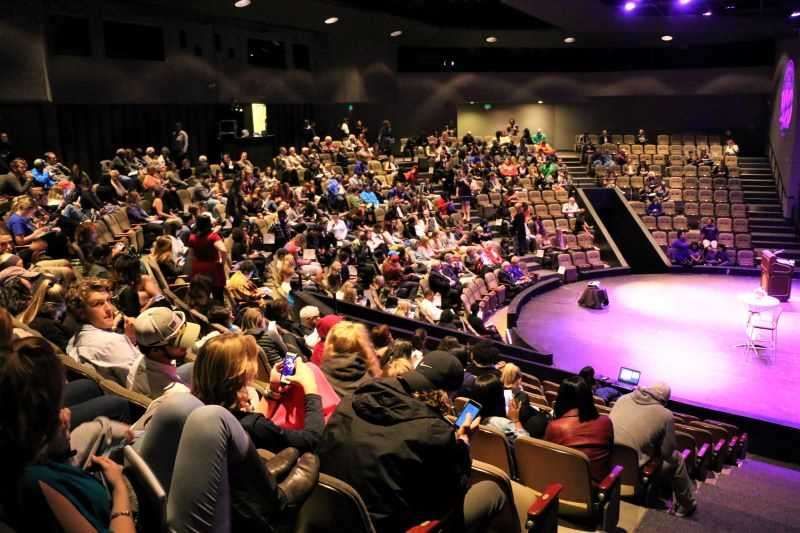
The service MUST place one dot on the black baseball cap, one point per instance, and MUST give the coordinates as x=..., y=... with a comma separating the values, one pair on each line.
x=437, y=370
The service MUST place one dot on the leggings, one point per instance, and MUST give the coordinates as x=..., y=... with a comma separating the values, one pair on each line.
x=200, y=453
x=86, y=401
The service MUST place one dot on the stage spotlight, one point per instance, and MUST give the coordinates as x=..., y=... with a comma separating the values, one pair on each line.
x=666, y=38
x=241, y=3
x=331, y=20
x=540, y=102
x=629, y=6
x=684, y=2
x=569, y=40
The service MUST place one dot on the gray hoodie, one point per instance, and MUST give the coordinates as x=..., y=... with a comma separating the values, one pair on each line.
x=643, y=423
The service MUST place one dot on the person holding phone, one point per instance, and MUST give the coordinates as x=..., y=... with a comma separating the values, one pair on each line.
x=227, y=365
x=389, y=422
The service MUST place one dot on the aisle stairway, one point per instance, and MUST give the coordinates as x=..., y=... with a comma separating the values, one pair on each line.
x=767, y=225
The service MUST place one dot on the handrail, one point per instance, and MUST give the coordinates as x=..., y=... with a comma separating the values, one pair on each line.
x=647, y=233
x=603, y=230
x=783, y=196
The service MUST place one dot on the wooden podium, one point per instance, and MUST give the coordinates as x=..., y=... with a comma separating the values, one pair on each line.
x=776, y=275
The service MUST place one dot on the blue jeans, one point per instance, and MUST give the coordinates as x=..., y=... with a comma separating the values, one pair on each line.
x=86, y=401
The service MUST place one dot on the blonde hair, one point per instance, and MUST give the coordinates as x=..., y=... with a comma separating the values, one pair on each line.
x=397, y=367
x=509, y=375
x=350, y=337
x=21, y=203
x=225, y=365
x=252, y=319
x=162, y=249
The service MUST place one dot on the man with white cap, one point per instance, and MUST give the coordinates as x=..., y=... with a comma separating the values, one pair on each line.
x=309, y=316
x=407, y=462
x=163, y=336
x=642, y=422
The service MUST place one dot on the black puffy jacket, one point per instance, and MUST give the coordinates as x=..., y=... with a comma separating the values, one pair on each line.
x=400, y=454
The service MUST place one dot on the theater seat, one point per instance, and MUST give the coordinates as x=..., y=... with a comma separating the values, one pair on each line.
x=580, y=262
x=541, y=463
x=570, y=272
x=743, y=240
x=745, y=258
x=650, y=222
x=333, y=505
x=665, y=223
x=593, y=258
x=636, y=483
x=740, y=225
x=696, y=460
x=525, y=510
x=680, y=222
x=491, y=446
x=724, y=224
x=661, y=238
x=150, y=494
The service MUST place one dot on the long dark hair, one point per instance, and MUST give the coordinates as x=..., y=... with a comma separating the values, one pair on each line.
x=203, y=225
x=575, y=393
x=31, y=389
x=488, y=391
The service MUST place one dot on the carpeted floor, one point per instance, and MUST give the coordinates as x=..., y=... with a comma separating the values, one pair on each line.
x=758, y=496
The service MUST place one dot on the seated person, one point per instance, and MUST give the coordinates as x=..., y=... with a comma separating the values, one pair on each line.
x=642, y=422
x=487, y=390
x=428, y=310
x=227, y=365
x=399, y=422
x=571, y=208
x=608, y=394
x=696, y=256
x=679, y=250
x=578, y=425
x=163, y=336
x=709, y=232
x=113, y=355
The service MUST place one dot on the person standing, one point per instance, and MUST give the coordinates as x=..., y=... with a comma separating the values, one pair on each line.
x=180, y=142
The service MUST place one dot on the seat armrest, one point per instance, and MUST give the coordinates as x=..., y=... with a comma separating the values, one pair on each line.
x=701, y=453
x=718, y=446
x=650, y=468
x=686, y=454
x=610, y=480
x=429, y=526
x=543, y=513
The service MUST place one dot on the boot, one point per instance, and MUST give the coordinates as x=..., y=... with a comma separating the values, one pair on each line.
x=282, y=463
x=301, y=480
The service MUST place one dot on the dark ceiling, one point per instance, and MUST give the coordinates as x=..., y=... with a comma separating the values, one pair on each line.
x=465, y=14
x=724, y=8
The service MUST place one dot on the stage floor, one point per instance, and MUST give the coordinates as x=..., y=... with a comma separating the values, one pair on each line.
x=681, y=329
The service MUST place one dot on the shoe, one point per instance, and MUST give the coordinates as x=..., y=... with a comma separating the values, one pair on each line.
x=301, y=480
x=282, y=463
x=681, y=511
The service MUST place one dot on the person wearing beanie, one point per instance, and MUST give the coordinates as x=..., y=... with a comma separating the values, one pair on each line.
x=324, y=325
x=641, y=421
x=407, y=462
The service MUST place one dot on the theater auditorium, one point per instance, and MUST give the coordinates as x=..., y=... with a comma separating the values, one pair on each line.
x=424, y=266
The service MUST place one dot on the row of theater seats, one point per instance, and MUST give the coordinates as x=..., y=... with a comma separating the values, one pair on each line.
x=675, y=139
x=692, y=210
x=707, y=446
x=575, y=263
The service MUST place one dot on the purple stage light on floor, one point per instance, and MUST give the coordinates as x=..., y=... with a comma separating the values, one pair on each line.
x=629, y=6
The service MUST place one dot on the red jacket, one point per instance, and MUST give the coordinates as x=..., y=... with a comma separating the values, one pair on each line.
x=595, y=438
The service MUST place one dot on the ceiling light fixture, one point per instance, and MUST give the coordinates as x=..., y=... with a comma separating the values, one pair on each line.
x=540, y=102
x=396, y=33
x=629, y=6
x=666, y=38
x=241, y=3
x=569, y=40
x=491, y=39
x=331, y=20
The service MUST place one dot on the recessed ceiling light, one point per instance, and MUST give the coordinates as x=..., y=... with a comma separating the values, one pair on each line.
x=730, y=6
x=569, y=40
x=540, y=102
x=666, y=38
x=629, y=6
x=795, y=14
x=396, y=33
x=707, y=13
x=491, y=39
x=241, y=3
x=684, y=2
x=331, y=20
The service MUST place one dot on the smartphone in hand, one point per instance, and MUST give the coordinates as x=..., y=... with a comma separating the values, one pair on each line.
x=288, y=368
x=471, y=408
